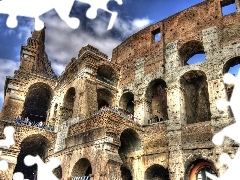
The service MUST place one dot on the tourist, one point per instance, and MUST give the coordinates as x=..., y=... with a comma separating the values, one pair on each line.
x=131, y=117
x=17, y=119
x=26, y=121
x=40, y=124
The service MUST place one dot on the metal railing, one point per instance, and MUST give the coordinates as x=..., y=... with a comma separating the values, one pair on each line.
x=81, y=178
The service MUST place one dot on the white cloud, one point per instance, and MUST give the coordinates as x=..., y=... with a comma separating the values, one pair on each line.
x=7, y=68
x=63, y=43
x=141, y=23
x=24, y=31
x=129, y=27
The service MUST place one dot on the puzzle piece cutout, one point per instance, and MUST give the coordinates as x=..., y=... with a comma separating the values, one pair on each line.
x=231, y=131
x=101, y=4
x=35, y=8
x=233, y=168
x=6, y=143
x=44, y=170
x=3, y=165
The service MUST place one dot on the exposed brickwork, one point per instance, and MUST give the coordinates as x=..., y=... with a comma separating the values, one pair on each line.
x=144, y=78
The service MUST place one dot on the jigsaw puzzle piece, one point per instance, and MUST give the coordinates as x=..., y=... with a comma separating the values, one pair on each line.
x=45, y=171
x=26, y=8
x=232, y=164
x=229, y=131
x=63, y=8
x=18, y=176
x=9, y=137
x=100, y=4
x=3, y=165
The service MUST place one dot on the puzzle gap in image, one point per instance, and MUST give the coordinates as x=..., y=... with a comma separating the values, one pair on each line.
x=35, y=8
x=44, y=170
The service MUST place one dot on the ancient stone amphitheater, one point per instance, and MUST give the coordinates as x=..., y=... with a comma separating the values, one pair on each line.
x=173, y=104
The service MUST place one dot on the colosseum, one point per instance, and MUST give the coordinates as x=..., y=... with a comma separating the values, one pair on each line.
x=145, y=115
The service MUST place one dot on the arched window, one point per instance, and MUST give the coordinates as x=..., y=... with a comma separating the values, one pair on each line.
x=156, y=95
x=82, y=168
x=192, y=52
x=201, y=173
x=130, y=142
x=106, y=74
x=32, y=145
x=199, y=168
x=104, y=98
x=156, y=171
x=37, y=102
x=196, y=103
x=68, y=104
x=127, y=103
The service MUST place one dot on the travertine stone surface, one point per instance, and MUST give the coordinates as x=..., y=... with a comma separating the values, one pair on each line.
x=144, y=79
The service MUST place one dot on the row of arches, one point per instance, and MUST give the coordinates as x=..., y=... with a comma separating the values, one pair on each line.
x=193, y=86
x=38, y=144
x=197, y=171
x=35, y=144
x=130, y=142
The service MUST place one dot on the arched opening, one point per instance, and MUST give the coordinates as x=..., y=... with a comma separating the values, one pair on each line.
x=192, y=52
x=106, y=74
x=32, y=145
x=197, y=170
x=231, y=66
x=195, y=97
x=130, y=142
x=104, y=98
x=156, y=95
x=127, y=103
x=125, y=173
x=82, y=168
x=156, y=172
x=68, y=103
x=37, y=102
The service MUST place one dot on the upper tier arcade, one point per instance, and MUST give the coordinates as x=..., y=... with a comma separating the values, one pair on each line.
x=187, y=28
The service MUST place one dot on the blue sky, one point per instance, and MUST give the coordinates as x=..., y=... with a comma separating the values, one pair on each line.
x=63, y=43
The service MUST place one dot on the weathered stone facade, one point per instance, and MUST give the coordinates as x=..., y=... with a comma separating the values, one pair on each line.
x=144, y=78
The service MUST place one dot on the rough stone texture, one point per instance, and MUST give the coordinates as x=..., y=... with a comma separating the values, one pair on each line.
x=144, y=78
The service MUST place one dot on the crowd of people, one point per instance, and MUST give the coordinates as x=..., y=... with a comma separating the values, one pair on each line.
x=155, y=119
x=26, y=121
x=116, y=109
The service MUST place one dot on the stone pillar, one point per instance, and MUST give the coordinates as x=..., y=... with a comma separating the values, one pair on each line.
x=210, y=43
x=176, y=165
x=238, y=5
x=89, y=94
x=142, y=107
x=172, y=57
x=112, y=170
x=175, y=106
x=217, y=91
x=137, y=168
x=80, y=109
x=141, y=104
x=174, y=124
